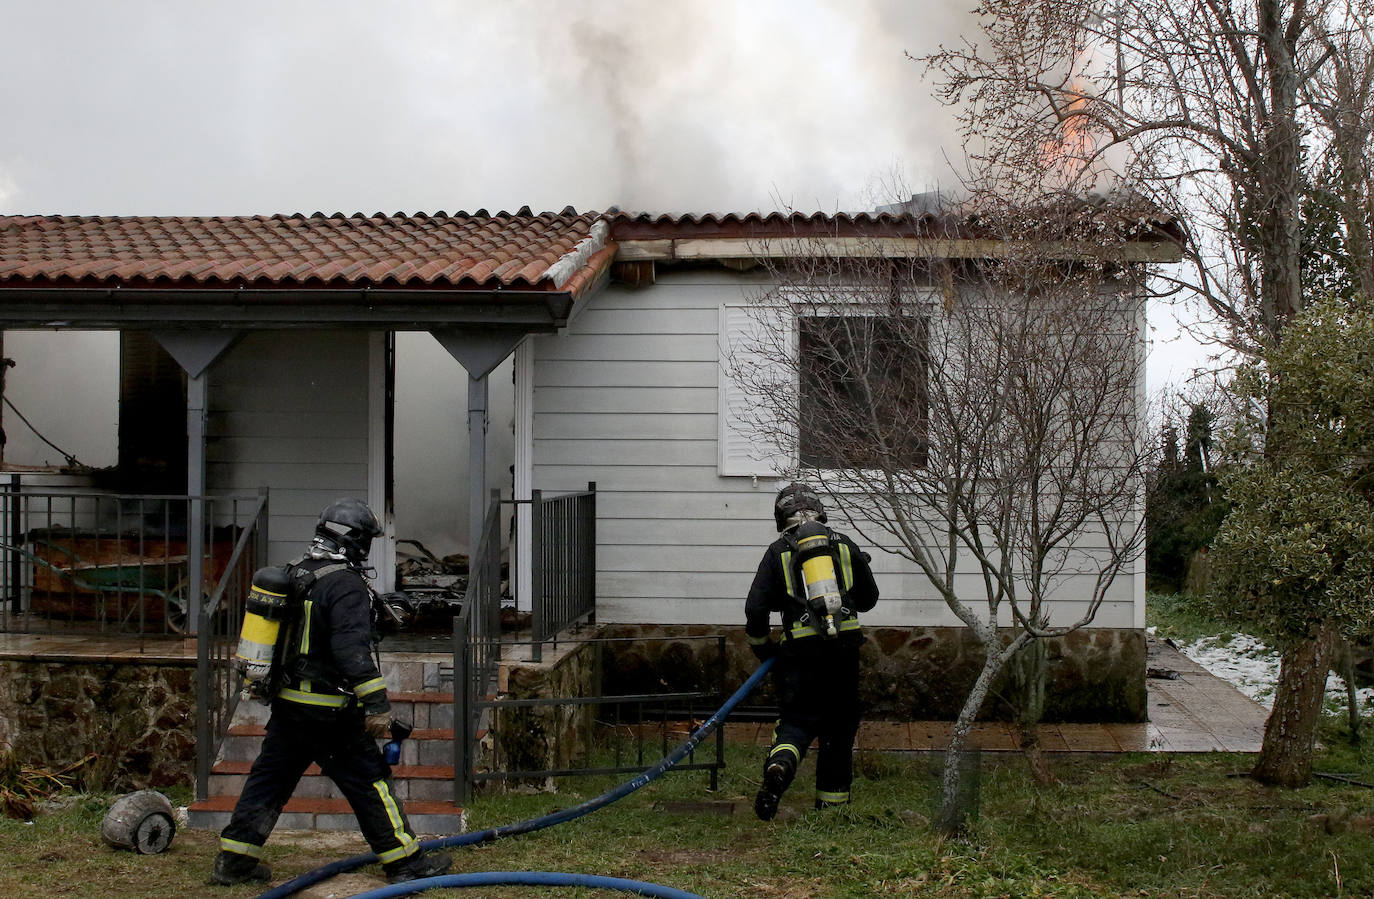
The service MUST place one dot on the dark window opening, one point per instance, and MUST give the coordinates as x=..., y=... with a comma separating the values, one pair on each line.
x=864, y=401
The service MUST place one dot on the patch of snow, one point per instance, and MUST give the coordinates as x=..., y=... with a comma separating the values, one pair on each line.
x=1253, y=669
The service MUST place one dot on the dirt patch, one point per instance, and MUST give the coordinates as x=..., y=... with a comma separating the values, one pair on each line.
x=350, y=884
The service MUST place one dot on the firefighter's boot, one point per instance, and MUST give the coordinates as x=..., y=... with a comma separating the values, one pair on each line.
x=777, y=775
x=425, y=864
x=232, y=868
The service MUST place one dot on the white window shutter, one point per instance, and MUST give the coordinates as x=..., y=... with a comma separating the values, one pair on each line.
x=750, y=336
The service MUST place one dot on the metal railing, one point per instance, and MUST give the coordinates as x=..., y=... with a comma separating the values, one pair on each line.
x=476, y=647
x=535, y=738
x=86, y=562
x=563, y=563
x=217, y=681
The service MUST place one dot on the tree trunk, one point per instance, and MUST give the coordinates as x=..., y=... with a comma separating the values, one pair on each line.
x=952, y=817
x=1029, y=672
x=1280, y=232
x=1344, y=661
x=1285, y=759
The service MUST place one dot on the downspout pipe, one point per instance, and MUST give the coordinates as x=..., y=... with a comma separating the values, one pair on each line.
x=310, y=878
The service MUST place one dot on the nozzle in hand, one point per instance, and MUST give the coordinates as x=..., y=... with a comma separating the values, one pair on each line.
x=399, y=731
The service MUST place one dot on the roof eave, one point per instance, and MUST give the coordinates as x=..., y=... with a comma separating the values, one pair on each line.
x=280, y=308
x=759, y=248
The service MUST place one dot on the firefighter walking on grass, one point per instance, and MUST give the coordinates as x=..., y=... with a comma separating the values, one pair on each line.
x=329, y=704
x=818, y=581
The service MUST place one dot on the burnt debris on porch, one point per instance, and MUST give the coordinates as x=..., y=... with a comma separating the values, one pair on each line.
x=431, y=589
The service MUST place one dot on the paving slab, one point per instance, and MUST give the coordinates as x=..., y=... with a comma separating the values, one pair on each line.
x=1190, y=710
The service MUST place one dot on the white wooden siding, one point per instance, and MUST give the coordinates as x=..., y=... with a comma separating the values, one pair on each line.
x=627, y=397
x=289, y=411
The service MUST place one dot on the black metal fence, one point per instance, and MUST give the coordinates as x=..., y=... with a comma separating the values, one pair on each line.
x=86, y=562
x=563, y=563
x=533, y=739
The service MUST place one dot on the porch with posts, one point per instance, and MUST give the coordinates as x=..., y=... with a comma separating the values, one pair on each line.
x=433, y=775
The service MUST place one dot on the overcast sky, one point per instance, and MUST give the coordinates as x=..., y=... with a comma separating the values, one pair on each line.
x=229, y=108
x=206, y=108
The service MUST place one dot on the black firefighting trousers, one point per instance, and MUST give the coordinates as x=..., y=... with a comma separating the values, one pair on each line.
x=817, y=680
x=335, y=740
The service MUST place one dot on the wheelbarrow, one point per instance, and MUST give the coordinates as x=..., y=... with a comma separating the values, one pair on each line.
x=60, y=571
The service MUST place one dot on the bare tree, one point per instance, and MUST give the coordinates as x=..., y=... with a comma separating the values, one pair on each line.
x=980, y=418
x=1342, y=103
x=1214, y=112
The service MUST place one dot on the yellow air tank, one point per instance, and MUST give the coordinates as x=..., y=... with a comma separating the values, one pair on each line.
x=267, y=607
x=818, y=572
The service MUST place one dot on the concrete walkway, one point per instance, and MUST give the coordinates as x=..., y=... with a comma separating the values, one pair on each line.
x=1195, y=712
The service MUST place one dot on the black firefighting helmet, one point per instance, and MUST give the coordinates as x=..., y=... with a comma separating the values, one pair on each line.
x=796, y=498
x=347, y=526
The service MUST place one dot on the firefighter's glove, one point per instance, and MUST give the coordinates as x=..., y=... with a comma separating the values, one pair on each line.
x=378, y=726
x=764, y=651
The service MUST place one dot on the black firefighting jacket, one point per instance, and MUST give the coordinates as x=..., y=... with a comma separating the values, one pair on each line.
x=333, y=666
x=778, y=588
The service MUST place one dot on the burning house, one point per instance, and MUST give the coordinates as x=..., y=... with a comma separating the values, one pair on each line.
x=259, y=356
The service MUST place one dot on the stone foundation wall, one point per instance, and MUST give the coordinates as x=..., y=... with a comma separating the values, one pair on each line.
x=909, y=674
x=538, y=738
x=137, y=719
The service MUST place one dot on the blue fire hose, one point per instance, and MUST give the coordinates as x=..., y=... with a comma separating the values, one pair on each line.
x=527, y=878
x=309, y=878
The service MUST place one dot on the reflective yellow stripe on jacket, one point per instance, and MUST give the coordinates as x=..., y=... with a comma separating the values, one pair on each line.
x=810, y=630
x=323, y=700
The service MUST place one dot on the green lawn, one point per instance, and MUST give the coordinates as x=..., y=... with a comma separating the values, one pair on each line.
x=1121, y=826
x=1136, y=825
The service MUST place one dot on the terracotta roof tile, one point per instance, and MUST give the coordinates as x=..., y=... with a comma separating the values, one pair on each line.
x=1141, y=220
x=477, y=251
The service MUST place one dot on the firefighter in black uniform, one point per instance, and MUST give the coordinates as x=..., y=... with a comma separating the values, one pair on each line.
x=816, y=674
x=330, y=709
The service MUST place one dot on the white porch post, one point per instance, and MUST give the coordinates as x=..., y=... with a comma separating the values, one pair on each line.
x=383, y=556
x=479, y=351
x=477, y=462
x=524, y=470
x=195, y=351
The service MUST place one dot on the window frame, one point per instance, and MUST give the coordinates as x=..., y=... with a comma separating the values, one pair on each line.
x=790, y=306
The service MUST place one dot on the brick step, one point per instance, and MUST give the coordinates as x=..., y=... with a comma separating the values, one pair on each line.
x=425, y=772
x=259, y=731
x=423, y=779
x=422, y=710
x=437, y=817
x=424, y=746
x=409, y=782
